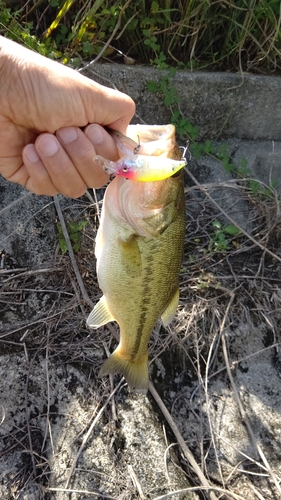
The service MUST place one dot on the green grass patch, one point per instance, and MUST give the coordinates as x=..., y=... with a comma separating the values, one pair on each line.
x=227, y=35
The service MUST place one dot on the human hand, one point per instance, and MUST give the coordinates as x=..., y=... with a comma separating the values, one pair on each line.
x=43, y=106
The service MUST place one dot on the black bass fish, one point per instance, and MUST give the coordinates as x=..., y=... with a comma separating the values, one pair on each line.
x=139, y=248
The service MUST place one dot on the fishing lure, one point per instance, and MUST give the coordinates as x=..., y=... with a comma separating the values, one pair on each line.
x=143, y=168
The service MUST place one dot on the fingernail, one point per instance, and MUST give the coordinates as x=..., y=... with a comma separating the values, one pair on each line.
x=47, y=145
x=67, y=134
x=95, y=133
x=31, y=154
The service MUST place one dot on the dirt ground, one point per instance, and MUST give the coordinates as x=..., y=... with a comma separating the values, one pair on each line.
x=209, y=428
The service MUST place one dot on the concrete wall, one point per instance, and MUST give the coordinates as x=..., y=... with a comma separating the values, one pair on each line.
x=221, y=104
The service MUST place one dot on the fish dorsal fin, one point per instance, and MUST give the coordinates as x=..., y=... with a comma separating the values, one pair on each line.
x=100, y=315
x=131, y=257
x=171, y=308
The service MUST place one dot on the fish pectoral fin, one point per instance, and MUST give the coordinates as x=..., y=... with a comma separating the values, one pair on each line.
x=171, y=309
x=100, y=315
x=131, y=257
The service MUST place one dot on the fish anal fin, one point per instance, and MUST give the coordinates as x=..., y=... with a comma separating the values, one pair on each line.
x=131, y=257
x=170, y=311
x=135, y=372
x=100, y=315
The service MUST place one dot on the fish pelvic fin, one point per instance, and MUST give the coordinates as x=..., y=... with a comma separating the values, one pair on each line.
x=100, y=315
x=170, y=311
x=135, y=372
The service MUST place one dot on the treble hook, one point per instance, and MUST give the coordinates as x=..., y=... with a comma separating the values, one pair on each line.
x=184, y=150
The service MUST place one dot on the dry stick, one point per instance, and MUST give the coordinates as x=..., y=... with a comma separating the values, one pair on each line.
x=89, y=432
x=27, y=414
x=257, y=493
x=111, y=379
x=245, y=418
x=11, y=271
x=71, y=253
x=208, y=413
x=186, y=451
x=48, y=428
x=135, y=481
x=28, y=273
x=232, y=220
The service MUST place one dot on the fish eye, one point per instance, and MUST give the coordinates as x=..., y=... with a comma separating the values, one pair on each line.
x=125, y=170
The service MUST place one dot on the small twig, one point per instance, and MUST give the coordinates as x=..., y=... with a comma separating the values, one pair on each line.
x=167, y=450
x=256, y=492
x=111, y=380
x=30, y=450
x=11, y=271
x=136, y=482
x=3, y=414
x=29, y=273
x=48, y=421
x=71, y=253
x=186, y=451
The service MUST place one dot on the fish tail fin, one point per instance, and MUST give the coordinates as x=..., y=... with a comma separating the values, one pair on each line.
x=135, y=372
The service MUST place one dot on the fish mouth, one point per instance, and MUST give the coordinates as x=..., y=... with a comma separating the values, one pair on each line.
x=150, y=140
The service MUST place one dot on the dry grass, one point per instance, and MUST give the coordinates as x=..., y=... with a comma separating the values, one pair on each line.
x=220, y=290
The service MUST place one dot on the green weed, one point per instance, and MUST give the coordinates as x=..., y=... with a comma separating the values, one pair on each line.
x=231, y=36
x=220, y=239
x=74, y=231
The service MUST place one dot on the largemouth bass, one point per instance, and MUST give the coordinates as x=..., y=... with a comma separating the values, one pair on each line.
x=139, y=248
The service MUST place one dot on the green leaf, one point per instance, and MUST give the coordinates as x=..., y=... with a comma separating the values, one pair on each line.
x=152, y=86
x=172, y=72
x=231, y=229
x=154, y=7
x=216, y=224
